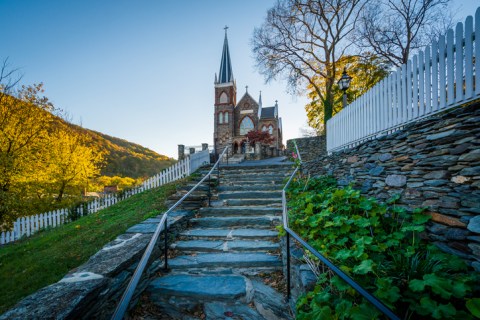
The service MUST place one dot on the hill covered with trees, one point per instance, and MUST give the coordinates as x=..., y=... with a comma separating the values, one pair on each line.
x=127, y=159
x=47, y=163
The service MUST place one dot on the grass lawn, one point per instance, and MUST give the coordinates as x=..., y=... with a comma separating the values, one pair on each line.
x=43, y=259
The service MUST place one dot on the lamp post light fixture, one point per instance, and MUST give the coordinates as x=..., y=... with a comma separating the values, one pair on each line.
x=344, y=84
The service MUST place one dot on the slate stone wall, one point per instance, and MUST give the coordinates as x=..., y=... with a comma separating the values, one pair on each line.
x=310, y=147
x=434, y=163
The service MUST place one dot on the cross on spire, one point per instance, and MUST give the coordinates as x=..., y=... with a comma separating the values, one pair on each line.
x=246, y=88
x=226, y=27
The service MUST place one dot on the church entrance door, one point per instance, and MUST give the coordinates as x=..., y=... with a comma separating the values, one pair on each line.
x=235, y=147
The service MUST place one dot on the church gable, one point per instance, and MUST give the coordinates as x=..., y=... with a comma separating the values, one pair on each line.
x=246, y=107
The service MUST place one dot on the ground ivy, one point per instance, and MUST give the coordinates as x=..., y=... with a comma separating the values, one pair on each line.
x=381, y=246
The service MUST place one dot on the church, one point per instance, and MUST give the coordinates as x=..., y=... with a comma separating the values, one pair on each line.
x=233, y=120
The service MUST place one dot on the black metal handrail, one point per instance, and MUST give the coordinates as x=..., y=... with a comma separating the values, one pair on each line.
x=364, y=293
x=162, y=225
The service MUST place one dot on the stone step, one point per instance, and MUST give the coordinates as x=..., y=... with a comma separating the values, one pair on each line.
x=249, y=195
x=223, y=246
x=184, y=189
x=258, y=187
x=238, y=211
x=226, y=260
x=247, y=173
x=254, y=202
x=202, y=288
x=229, y=234
x=236, y=221
x=260, y=178
x=286, y=166
x=279, y=183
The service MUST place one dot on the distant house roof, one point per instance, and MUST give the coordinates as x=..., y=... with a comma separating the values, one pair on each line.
x=269, y=113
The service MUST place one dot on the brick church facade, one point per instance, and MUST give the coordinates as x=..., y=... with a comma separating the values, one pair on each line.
x=233, y=120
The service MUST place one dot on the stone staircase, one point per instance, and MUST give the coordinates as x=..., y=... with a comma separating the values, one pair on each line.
x=220, y=260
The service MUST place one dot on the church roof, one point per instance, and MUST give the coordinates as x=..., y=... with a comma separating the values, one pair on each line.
x=245, y=96
x=269, y=113
x=225, y=75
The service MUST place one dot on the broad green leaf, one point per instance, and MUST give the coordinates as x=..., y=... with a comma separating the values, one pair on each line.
x=473, y=305
x=309, y=209
x=365, y=311
x=365, y=204
x=440, y=286
x=420, y=218
x=363, y=222
x=313, y=221
x=393, y=199
x=444, y=311
x=328, y=224
x=459, y=289
x=343, y=254
x=340, y=284
x=363, y=268
x=416, y=285
x=386, y=291
x=428, y=306
x=324, y=312
x=322, y=297
x=343, y=307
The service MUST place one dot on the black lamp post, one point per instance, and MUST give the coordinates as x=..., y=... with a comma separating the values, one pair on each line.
x=344, y=84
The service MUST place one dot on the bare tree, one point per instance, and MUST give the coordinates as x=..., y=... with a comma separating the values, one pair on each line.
x=302, y=40
x=393, y=29
x=9, y=78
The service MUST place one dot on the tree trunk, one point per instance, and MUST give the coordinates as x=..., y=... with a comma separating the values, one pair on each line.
x=61, y=192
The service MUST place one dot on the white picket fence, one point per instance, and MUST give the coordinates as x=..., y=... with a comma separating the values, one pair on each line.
x=443, y=76
x=28, y=225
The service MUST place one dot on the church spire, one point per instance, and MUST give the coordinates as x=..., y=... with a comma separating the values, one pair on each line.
x=225, y=75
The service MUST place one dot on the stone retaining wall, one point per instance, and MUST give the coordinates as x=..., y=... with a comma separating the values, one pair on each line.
x=310, y=147
x=434, y=163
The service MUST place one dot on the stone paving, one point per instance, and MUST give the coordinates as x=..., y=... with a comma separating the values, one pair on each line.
x=220, y=259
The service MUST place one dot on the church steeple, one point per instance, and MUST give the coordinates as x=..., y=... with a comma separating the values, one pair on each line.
x=225, y=75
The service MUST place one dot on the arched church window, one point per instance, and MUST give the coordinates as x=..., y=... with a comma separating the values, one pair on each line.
x=226, y=117
x=270, y=129
x=264, y=128
x=220, y=117
x=223, y=98
x=246, y=125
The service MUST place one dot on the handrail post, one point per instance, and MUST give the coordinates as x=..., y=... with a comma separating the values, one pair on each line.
x=218, y=174
x=209, y=191
x=288, y=268
x=166, y=245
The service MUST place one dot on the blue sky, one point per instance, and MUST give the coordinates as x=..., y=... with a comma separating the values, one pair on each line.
x=144, y=70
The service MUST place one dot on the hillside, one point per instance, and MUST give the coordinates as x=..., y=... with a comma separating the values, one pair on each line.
x=127, y=159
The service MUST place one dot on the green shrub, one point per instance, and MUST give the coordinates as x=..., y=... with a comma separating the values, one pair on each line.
x=382, y=248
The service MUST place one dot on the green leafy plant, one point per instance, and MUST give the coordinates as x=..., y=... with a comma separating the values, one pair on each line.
x=382, y=248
